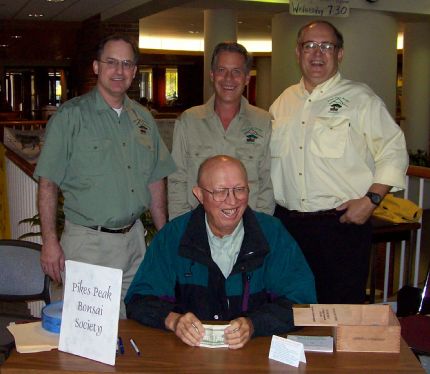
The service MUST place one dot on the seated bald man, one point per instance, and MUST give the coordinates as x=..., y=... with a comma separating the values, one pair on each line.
x=222, y=261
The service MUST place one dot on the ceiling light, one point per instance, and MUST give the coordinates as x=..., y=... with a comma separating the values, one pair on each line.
x=54, y=1
x=35, y=15
x=16, y=36
x=3, y=45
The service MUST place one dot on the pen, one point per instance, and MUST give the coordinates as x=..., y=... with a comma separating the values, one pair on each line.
x=133, y=344
x=121, y=346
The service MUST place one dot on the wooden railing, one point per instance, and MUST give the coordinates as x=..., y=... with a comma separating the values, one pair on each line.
x=21, y=125
x=422, y=174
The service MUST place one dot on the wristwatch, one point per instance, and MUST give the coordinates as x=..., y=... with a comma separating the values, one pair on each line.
x=374, y=198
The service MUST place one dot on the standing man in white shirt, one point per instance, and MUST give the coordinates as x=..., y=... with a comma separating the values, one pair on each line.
x=336, y=152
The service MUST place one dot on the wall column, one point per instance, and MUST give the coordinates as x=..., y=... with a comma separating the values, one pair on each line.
x=416, y=85
x=219, y=25
x=263, y=83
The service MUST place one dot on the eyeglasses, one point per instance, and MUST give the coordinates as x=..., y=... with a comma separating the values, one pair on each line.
x=220, y=195
x=325, y=47
x=113, y=63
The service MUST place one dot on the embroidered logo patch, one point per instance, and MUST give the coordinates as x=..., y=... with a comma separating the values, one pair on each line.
x=252, y=134
x=336, y=103
x=140, y=123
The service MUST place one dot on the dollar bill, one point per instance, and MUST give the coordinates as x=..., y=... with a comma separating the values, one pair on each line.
x=214, y=336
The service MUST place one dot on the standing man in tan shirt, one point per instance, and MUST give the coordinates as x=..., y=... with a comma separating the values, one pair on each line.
x=226, y=124
x=336, y=152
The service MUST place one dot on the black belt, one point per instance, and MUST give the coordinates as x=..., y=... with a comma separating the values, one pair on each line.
x=320, y=213
x=124, y=230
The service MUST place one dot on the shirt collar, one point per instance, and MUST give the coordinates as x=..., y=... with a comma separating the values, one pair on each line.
x=233, y=235
x=102, y=105
x=322, y=87
x=210, y=107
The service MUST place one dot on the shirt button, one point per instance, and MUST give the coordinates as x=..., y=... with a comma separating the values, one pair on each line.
x=310, y=100
x=216, y=316
x=132, y=190
x=300, y=147
x=303, y=122
x=129, y=166
x=300, y=174
x=123, y=144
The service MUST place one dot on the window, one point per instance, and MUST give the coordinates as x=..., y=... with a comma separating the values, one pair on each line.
x=146, y=83
x=171, y=84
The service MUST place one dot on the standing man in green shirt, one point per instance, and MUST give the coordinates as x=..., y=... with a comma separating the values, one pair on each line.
x=227, y=124
x=104, y=152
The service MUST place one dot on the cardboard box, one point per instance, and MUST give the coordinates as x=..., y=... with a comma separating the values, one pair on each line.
x=357, y=328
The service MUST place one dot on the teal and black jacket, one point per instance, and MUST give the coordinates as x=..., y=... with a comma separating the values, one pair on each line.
x=179, y=275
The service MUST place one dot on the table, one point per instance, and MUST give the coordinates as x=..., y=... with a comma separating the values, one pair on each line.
x=163, y=352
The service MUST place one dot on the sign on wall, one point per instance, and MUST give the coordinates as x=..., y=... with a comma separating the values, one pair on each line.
x=326, y=8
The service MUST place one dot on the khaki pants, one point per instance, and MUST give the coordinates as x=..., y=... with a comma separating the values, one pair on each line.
x=120, y=251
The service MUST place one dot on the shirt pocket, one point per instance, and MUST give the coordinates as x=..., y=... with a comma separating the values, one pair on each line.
x=329, y=136
x=94, y=157
x=197, y=154
x=279, y=140
x=250, y=158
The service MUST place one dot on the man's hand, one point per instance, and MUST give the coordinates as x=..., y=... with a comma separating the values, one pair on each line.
x=52, y=260
x=358, y=211
x=187, y=327
x=238, y=333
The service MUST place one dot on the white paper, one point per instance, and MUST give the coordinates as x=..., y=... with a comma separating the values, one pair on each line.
x=214, y=336
x=314, y=343
x=89, y=324
x=286, y=351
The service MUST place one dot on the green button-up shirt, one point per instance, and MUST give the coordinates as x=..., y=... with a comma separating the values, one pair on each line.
x=103, y=162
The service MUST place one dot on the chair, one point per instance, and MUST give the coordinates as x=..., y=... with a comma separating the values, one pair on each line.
x=21, y=280
x=416, y=328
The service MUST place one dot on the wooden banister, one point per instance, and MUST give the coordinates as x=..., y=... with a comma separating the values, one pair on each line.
x=418, y=171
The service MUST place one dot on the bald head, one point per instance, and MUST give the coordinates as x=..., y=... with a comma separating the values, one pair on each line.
x=216, y=162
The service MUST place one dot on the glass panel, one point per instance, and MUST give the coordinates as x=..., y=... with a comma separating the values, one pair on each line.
x=171, y=85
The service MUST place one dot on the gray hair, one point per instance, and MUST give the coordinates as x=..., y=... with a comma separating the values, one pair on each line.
x=231, y=47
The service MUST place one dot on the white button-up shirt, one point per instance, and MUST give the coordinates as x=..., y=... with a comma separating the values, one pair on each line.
x=331, y=145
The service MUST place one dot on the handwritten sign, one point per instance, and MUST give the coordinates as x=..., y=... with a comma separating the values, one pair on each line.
x=89, y=324
x=326, y=8
x=286, y=351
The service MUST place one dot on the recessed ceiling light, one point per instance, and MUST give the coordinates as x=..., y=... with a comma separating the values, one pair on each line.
x=3, y=45
x=16, y=36
x=35, y=15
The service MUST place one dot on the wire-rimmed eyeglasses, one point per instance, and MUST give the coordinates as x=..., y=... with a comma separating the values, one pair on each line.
x=325, y=47
x=221, y=194
x=113, y=63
